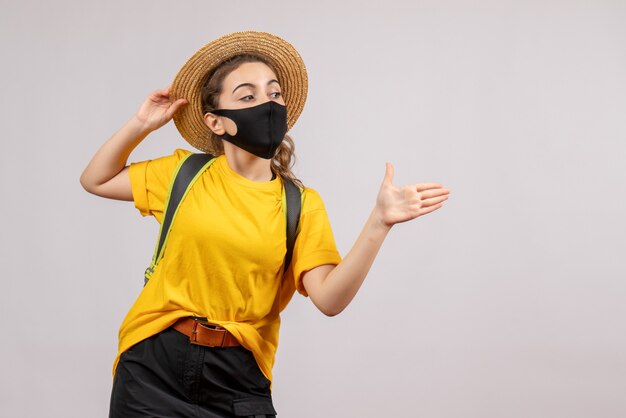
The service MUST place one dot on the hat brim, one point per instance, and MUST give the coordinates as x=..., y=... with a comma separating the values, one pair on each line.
x=288, y=64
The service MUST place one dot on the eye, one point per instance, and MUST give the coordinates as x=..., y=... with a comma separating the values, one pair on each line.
x=275, y=95
x=247, y=98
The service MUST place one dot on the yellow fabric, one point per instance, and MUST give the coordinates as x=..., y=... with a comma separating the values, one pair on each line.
x=224, y=255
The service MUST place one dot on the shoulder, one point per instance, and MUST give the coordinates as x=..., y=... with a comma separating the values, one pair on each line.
x=177, y=155
x=311, y=200
x=180, y=153
x=165, y=162
x=157, y=170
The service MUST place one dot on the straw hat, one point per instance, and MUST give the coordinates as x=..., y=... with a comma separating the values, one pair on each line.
x=188, y=83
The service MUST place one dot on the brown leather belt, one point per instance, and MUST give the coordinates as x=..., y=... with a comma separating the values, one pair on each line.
x=202, y=333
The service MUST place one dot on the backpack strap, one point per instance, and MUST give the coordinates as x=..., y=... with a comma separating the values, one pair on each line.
x=293, y=200
x=186, y=173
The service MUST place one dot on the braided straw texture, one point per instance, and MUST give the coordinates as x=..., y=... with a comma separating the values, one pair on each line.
x=188, y=83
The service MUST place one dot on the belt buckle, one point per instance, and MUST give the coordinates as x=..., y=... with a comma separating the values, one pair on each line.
x=193, y=338
x=210, y=329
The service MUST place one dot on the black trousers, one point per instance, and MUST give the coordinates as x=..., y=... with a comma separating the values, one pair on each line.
x=165, y=376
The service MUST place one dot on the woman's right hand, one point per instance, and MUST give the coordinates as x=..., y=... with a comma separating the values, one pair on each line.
x=106, y=174
x=157, y=110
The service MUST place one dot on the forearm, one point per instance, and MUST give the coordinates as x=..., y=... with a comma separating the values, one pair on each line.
x=340, y=286
x=331, y=288
x=111, y=158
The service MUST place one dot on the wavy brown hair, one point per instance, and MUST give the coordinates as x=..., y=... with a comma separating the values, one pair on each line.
x=285, y=156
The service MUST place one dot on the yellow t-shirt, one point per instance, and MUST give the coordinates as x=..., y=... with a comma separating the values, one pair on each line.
x=224, y=255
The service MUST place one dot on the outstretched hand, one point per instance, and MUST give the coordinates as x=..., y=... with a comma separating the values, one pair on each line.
x=157, y=110
x=401, y=204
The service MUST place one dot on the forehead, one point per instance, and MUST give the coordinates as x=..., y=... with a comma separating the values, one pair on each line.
x=249, y=72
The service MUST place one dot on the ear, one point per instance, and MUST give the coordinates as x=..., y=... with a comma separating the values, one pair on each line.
x=214, y=123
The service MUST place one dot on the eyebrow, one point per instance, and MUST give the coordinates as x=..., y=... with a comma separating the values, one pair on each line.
x=252, y=85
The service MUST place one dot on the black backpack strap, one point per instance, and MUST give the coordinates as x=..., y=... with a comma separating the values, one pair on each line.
x=184, y=176
x=294, y=206
x=187, y=171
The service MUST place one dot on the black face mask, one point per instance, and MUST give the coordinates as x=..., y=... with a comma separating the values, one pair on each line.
x=260, y=129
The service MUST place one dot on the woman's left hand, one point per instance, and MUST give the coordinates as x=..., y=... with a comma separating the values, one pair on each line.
x=401, y=204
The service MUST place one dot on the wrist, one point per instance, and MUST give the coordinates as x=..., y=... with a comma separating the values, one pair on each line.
x=377, y=219
x=139, y=126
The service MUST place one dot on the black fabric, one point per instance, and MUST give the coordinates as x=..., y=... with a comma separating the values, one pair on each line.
x=294, y=204
x=186, y=173
x=260, y=129
x=165, y=376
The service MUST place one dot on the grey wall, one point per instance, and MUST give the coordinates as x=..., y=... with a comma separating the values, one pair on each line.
x=508, y=302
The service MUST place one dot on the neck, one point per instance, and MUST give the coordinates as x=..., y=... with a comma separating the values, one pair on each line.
x=246, y=164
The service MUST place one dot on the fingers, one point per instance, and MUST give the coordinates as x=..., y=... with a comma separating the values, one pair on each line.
x=166, y=91
x=434, y=200
x=159, y=96
x=425, y=189
x=163, y=92
x=388, y=173
x=426, y=186
x=425, y=210
x=175, y=106
x=426, y=194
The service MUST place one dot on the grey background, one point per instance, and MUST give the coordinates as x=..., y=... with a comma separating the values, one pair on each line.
x=508, y=302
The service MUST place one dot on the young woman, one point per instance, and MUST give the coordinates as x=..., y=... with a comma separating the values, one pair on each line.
x=200, y=340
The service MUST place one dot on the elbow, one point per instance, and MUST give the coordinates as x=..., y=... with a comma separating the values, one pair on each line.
x=90, y=182
x=327, y=307
x=90, y=186
x=86, y=184
x=331, y=311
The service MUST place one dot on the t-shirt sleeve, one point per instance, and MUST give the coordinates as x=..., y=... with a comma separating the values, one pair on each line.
x=315, y=243
x=150, y=182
